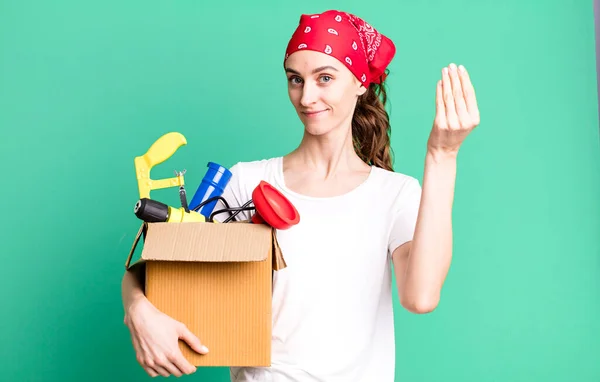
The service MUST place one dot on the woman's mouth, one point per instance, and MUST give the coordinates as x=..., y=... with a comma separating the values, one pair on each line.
x=314, y=113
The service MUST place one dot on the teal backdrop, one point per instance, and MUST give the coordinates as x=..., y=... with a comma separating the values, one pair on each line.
x=85, y=86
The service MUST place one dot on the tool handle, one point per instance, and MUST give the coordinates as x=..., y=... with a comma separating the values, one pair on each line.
x=183, y=199
x=163, y=148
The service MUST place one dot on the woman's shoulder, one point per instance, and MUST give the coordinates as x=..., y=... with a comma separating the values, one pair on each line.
x=396, y=179
x=255, y=165
x=246, y=175
x=256, y=169
x=399, y=189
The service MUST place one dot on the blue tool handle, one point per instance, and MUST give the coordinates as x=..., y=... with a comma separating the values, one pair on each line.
x=213, y=184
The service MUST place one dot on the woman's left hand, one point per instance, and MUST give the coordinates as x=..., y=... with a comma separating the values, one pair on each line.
x=457, y=113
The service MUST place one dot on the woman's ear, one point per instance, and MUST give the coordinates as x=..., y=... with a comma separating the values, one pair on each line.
x=361, y=90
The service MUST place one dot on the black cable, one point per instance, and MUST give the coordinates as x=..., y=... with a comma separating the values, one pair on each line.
x=242, y=208
x=211, y=200
x=237, y=209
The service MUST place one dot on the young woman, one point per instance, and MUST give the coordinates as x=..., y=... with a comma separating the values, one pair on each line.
x=361, y=222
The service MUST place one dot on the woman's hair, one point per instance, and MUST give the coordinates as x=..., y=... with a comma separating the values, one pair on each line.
x=371, y=128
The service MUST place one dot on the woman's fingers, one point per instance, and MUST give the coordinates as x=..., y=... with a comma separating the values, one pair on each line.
x=171, y=368
x=451, y=117
x=469, y=95
x=440, y=115
x=161, y=371
x=150, y=371
x=458, y=96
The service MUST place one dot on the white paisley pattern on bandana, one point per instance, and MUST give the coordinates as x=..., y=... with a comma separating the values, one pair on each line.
x=367, y=34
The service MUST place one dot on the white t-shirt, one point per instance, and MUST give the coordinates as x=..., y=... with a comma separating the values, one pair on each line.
x=332, y=305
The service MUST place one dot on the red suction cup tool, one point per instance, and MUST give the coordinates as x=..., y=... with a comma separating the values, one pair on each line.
x=273, y=208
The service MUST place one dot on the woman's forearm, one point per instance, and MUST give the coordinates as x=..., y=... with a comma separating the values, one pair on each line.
x=131, y=289
x=431, y=249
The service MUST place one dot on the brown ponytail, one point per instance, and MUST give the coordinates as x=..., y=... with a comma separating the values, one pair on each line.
x=371, y=128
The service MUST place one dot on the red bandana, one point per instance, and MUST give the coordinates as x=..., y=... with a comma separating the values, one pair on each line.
x=348, y=38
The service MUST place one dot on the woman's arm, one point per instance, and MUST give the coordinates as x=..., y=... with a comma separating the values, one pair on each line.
x=131, y=289
x=155, y=335
x=421, y=266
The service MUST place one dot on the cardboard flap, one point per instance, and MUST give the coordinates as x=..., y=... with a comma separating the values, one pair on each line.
x=278, y=260
x=141, y=231
x=207, y=242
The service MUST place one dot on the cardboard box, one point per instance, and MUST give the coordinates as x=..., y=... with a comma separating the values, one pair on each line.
x=216, y=278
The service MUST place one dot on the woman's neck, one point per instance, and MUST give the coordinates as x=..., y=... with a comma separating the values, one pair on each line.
x=326, y=155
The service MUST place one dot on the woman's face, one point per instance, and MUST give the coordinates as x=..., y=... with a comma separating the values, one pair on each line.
x=322, y=90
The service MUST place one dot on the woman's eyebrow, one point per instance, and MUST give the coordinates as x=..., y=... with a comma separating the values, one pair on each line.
x=319, y=69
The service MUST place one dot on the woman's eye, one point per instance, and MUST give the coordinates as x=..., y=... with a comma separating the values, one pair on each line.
x=297, y=80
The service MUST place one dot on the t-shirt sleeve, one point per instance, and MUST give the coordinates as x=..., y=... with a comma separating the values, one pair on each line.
x=405, y=214
x=235, y=194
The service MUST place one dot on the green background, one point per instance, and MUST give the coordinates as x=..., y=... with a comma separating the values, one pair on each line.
x=85, y=86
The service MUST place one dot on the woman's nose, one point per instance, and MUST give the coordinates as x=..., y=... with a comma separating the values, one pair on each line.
x=309, y=95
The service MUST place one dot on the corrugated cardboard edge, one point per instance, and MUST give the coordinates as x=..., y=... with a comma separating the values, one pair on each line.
x=278, y=259
x=207, y=242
